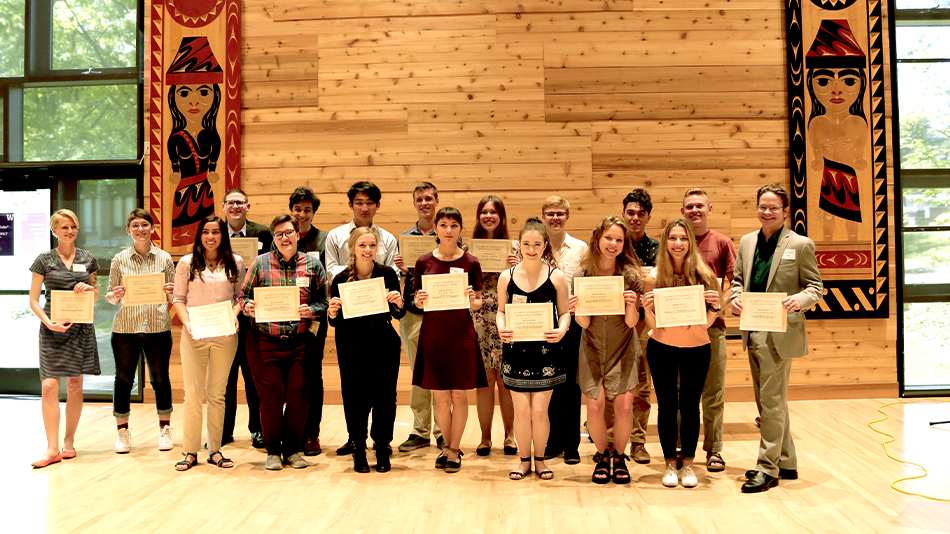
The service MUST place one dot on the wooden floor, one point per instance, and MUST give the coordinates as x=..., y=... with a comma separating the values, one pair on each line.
x=844, y=485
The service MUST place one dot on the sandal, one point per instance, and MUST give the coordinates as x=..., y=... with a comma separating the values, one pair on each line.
x=546, y=474
x=715, y=463
x=621, y=473
x=441, y=460
x=222, y=462
x=483, y=450
x=602, y=469
x=185, y=464
x=519, y=474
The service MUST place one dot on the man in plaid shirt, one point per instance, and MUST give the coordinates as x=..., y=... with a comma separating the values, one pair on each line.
x=281, y=354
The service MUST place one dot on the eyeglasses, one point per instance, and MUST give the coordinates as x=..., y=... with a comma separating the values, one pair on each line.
x=281, y=235
x=767, y=209
x=556, y=215
x=140, y=226
x=235, y=203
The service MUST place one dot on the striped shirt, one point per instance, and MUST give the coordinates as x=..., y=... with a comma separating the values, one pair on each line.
x=270, y=270
x=146, y=319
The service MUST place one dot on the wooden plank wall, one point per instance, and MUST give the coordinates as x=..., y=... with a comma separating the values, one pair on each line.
x=583, y=98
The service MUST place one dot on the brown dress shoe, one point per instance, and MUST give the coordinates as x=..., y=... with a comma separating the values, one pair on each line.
x=312, y=447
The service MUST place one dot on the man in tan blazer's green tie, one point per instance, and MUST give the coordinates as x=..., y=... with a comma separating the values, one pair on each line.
x=775, y=260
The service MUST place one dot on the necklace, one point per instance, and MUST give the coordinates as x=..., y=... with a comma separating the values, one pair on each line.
x=679, y=280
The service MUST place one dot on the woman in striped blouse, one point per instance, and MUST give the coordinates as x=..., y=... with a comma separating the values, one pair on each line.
x=141, y=329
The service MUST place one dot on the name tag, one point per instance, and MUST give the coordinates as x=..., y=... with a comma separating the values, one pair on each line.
x=77, y=268
x=569, y=267
x=303, y=281
x=789, y=254
x=455, y=270
x=519, y=299
x=314, y=254
x=259, y=245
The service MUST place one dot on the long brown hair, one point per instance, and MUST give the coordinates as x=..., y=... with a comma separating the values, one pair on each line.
x=198, y=261
x=695, y=269
x=501, y=232
x=357, y=233
x=628, y=264
x=534, y=224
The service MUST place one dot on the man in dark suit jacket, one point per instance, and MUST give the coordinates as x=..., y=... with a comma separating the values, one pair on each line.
x=775, y=260
x=236, y=205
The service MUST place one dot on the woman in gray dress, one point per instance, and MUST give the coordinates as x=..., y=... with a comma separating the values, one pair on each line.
x=67, y=350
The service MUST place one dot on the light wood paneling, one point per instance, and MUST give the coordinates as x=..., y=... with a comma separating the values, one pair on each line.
x=583, y=98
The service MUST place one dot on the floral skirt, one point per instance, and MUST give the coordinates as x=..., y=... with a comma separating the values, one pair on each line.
x=532, y=366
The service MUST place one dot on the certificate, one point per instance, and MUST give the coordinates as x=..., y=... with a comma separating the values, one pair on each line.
x=413, y=246
x=212, y=320
x=276, y=304
x=143, y=289
x=492, y=254
x=679, y=306
x=364, y=297
x=763, y=312
x=246, y=248
x=446, y=291
x=530, y=321
x=72, y=307
x=599, y=295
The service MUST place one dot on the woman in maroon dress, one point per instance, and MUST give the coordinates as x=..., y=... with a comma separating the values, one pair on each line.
x=448, y=360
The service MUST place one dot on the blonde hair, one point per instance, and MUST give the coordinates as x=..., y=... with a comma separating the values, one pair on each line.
x=556, y=201
x=63, y=214
x=695, y=191
x=628, y=264
x=351, y=244
x=695, y=269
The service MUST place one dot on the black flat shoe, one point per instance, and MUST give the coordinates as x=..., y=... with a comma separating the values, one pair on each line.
x=440, y=460
x=572, y=457
x=759, y=483
x=257, y=440
x=483, y=451
x=784, y=474
x=346, y=449
x=510, y=451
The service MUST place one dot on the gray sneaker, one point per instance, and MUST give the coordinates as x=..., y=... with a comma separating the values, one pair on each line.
x=273, y=463
x=296, y=461
x=414, y=442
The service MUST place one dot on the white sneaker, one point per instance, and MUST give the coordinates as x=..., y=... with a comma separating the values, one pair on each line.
x=670, y=477
x=123, y=443
x=165, y=442
x=689, y=477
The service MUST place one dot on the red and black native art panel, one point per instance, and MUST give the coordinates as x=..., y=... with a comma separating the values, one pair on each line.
x=837, y=156
x=194, y=98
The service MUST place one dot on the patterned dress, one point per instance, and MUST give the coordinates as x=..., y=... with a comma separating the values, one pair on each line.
x=533, y=365
x=489, y=341
x=73, y=352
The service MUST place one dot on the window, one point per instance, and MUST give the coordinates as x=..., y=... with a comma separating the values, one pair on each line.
x=69, y=79
x=922, y=53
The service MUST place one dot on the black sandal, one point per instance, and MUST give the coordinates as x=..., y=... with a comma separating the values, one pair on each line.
x=621, y=473
x=546, y=474
x=453, y=467
x=185, y=464
x=602, y=469
x=715, y=463
x=224, y=463
x=441, y=460
x=519, y=474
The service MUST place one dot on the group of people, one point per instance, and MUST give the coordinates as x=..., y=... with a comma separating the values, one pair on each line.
x=611, y=359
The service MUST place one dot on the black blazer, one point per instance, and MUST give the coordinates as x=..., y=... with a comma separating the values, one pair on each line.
x=263, y=235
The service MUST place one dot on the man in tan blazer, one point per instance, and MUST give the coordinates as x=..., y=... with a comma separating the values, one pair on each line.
x=775, y=260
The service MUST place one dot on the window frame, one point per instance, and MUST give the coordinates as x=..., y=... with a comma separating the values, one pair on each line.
x=913, y=179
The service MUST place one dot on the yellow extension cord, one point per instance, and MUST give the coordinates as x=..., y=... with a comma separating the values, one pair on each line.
x=892, y=439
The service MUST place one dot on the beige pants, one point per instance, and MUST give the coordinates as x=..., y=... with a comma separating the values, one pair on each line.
x=205, y=366
x=420, y=400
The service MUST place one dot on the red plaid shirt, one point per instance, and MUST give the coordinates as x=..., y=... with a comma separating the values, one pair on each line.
x=270, y=270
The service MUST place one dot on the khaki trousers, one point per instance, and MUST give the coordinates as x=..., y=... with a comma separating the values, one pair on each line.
x=420, y=400
x=205, y=366
x=770, y=377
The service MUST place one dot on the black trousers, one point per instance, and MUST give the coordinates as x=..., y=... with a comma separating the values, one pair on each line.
x=315, y=416
x=369, y=368
x=691, y=366
x=250, y=390
x=564, y=411
x=127, y=348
